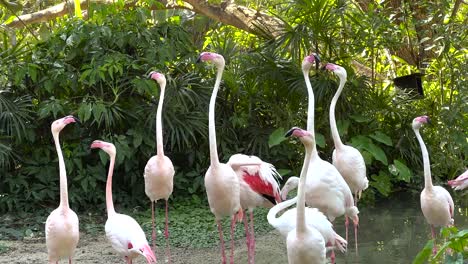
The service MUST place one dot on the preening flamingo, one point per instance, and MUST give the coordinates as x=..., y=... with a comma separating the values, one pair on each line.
x=461, y=182
x=436, y=203
x=221, y=181
x=62, y=228
x=326, y=190
x=258, y=187
x=314, y=219
x=159, y=171
x=347, y=159
x=304, y=243
x=122, y=231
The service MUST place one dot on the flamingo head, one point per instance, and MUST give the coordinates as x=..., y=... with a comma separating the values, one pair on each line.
x=109, y=148
x=304, y=136
x=215, y=58
x=158, y=77
x=337, y=69
x=309, y=60
x=59, y=124
x=420, y=120
x=290, y=184
x=146, y=252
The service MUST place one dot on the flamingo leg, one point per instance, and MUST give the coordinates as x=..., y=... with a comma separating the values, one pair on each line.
x=332, y=256
x=355, y=236
x=233, y=225
x=69, y=260
x=247, y=235
x=153, y=234
x=252, y=237
x=355, y=199
x=220, y=230
x=434, y=249
x=346, y=226
x=166, y=234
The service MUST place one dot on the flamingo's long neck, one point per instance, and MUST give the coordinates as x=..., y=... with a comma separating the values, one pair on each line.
x=301, y=224
x=159, y=135
x=310, y=108
x=109, y=202
x=271, y=217
x=62, y=172
x=427, y=168
x=211, y=120
x=334, y=129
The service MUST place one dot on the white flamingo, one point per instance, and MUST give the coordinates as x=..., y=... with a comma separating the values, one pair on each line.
x=461, y=182
x=436, y=203
x=122, y=231
x=221, y=182
x=258, y=187
x=326, y=190
x=62, y=228
x=347, y=159
x=159, y=171
x=304, y=243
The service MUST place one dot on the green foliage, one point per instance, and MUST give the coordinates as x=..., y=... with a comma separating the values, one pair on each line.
x=454, y=250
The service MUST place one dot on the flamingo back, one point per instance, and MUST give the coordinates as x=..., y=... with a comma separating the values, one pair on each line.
x=159, y=178
x=350, y=163
x=308, y=247
x=437, y=206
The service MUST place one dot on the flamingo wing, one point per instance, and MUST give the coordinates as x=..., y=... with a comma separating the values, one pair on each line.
x=461, y=182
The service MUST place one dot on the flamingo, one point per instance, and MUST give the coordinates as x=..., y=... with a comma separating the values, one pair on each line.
x=436, y=203
x=315, y=219
x=62, y=227
x=304, y=243
x=461, y=182
x=159, y=171
x=347, y=159
x=327, y=190
x=122, y=231
x=258, y=187
x=221, y=181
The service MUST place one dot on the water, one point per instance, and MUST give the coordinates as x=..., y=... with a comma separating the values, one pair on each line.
x=393, y=231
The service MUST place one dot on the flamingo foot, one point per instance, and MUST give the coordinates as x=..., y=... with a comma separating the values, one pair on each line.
x=220, y=230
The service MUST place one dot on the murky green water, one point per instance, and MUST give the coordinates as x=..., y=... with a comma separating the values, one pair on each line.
x=394, y=231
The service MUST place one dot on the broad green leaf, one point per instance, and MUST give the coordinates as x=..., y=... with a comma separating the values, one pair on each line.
x=424, y=254
x=404, y=173
x=382, y=183
x=360, y=118
x=378, y=153
x=320, y=140
x=276, y=137
x=382, y=138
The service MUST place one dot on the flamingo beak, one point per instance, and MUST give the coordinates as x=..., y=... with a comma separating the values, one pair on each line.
x=317, y=61
x=96, y=144
x=290, y=132
x=70, y=119
x=148, y=254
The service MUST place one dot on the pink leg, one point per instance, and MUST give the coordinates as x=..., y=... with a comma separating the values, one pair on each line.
x=233, y=225
x=355, y=236
x=346, y=226
x=247, y=235
x=434, y=249
x=252, y=237
x=153, y=234
x=332, y=256
x=166, y=233
x=220, y=230
x=355, y=199
x=129, y=261
x=69, y=260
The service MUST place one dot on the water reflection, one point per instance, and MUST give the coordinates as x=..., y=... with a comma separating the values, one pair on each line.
x=394, y=231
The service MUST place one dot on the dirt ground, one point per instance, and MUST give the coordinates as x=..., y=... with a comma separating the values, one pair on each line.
x=270, y=248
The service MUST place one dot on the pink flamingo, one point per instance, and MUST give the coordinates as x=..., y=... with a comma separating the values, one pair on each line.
x=461, y=182
x=62, y=228
x=327, y=190
x=305, y=244
x=347, y=159
x=258, y=187
x=221, y=181
x=159, y=171
x=122, y=231
x=436, y=203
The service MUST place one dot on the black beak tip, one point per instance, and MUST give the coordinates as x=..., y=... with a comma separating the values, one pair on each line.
x=198, y=60
x=77, y=120
x=429, y=121
x=290, y=132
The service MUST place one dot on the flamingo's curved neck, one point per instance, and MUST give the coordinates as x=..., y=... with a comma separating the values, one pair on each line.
x=334, y=129
x=310, y=109
x=211, y=119
x=109, y=202
x=427, y=168
x=62, y=172
x=301, y=224
x=159, y=135
x=278, y=208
